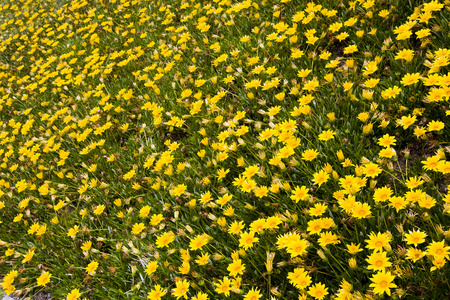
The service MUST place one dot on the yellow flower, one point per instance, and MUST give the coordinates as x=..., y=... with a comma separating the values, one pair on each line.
x=223, y=286
x=186, y=93
x=407, y=121
x=438, y=262
x=9, y=278
x=253, y=294
x=198, y=242
x=327, y=238
x=303, y=73
x=74, y=294
x=28, y=256
x=311, y=85
x=318, y=291
x=156, y=293
x=361, y=210
x=409, y=79
x=372, y=170
x=92, y=267
x=398, y=202
x=314, y=226
x=371, y=83
x=261, y=191
x=181, y=289
x=382, y=282
x=350, y=49
x=335, y=27
x=352, y=263
x=165, y=239
x=99, y=209
x=299, y=278
x=317, y=210
x=222, y=173
x=435, y=125
x=320, y=177
x=9, y=252
x=144, y=211
x=86, y=246
x=299, y=193
x=431, y=163
x=33, y=228
x=370, y=68
x=156, y=219
x=274, y=111
x=236, y=268
x=415, y=237
x=391, y=92
x=224, y=199
x=378, y=241
x=350, y=22
x=382, y=194
x=387, y=141
x=137, y=228
x=297, y=247
x=129, y=175
x=423, y=33
x=201, y=296
x=363, y=117
x=387, y=152
x=353, y=249
x=309, y=154
x=41, y=230
x=179, y=189
x=43, y=279
x=285, y=152
x=253, y=84
x=414, y=254
x=258, y=225
x=247, y=240
x=378, y=261
x=203, y=259
x=236, y=227
x=151, y=267
x=444, y=167
x=406, y=54
x=326, y=135
x=384, y=13
x=438, y=249
x=248, y=185
x=272, y=222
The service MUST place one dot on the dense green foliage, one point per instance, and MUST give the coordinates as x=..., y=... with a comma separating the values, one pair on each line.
x=224, y=149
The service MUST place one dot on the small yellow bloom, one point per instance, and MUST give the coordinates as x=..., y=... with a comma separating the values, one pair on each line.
x=137, y=228
x=92, y=267
x=43, y=279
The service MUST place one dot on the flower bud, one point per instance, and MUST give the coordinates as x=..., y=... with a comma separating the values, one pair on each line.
x=352, y=263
